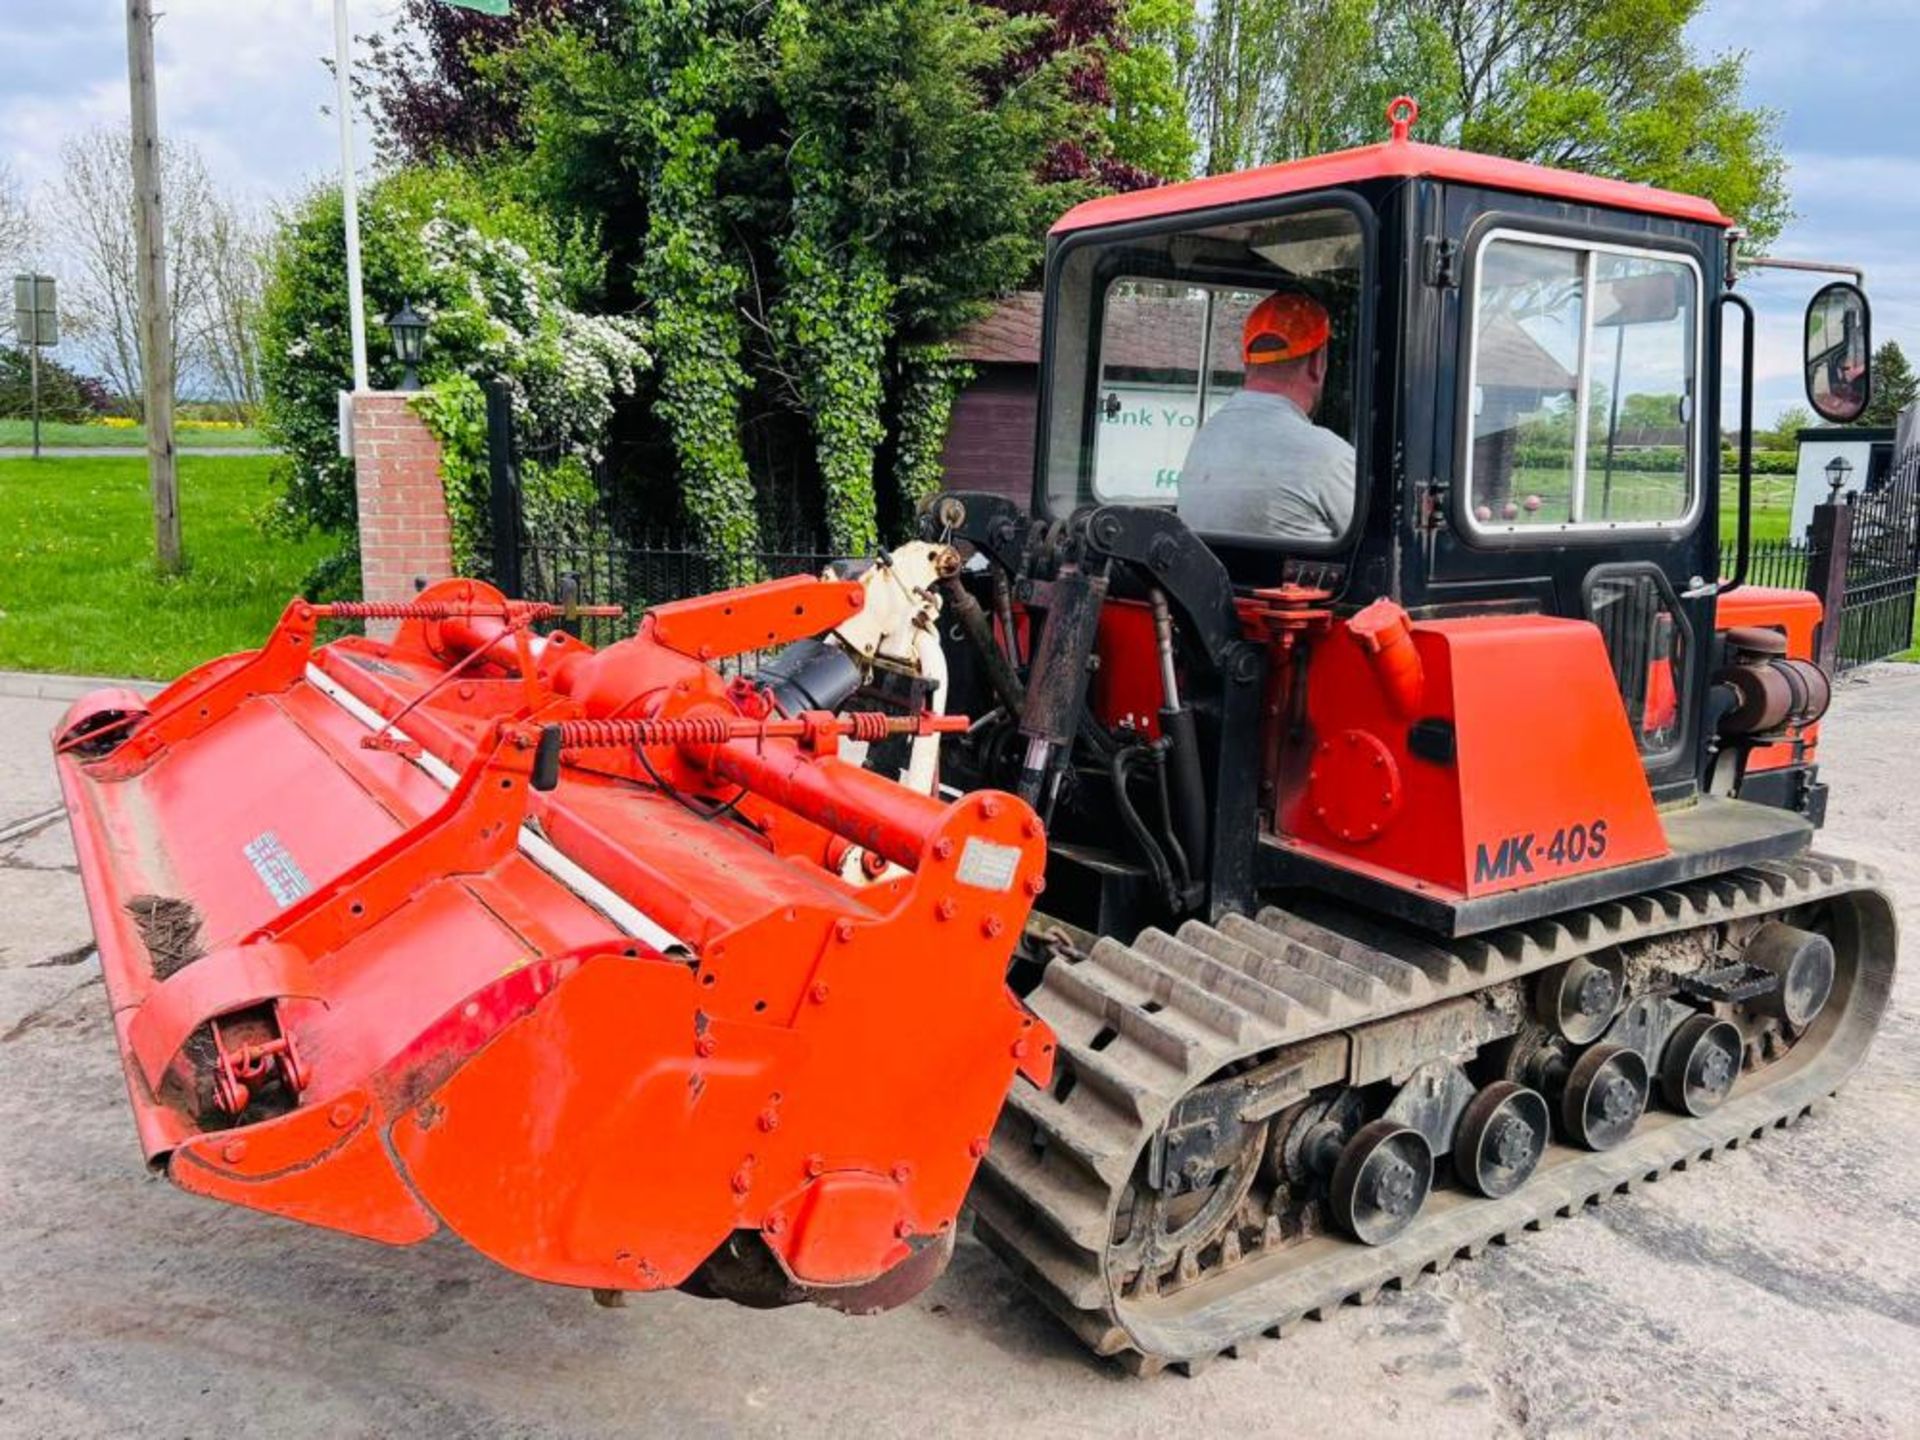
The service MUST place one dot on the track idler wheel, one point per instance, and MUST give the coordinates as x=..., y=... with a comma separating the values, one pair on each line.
x=1501, y=1138
x=1605, y=1096
x=1802, y=962
x=1700, y=1064
x=1381, y=1182
x=1578, y=1000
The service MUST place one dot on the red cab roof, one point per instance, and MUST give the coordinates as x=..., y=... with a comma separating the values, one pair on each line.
x=1398, y=158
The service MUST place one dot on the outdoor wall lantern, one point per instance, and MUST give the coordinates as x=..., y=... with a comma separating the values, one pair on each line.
x=409, y=342
x=1839, y=469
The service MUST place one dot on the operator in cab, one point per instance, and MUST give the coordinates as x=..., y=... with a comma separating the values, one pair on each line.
x=1260, y=466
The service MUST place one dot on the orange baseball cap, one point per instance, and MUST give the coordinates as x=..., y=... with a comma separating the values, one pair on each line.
x=1284, y=326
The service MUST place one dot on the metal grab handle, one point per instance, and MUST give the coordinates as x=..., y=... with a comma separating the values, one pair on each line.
x=1745, y=541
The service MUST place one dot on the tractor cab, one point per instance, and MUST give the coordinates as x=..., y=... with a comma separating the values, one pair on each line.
x=1486, y=393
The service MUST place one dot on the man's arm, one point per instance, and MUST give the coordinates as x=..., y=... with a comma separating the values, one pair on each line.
x=1334, y=487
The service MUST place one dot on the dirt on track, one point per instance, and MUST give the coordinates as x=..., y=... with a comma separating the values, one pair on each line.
x=1775, y=1291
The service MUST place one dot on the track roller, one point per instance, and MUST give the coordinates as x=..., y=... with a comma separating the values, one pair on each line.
x=1803, y=963
x=1501, y=1138
x=1381, y=1182
x=1578, y=999
x=1605, y=1096
x=1700, y=1064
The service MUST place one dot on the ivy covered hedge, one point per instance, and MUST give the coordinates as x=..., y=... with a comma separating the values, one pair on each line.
x=813, y=196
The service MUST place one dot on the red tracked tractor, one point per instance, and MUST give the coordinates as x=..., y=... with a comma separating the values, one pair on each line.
x=1237, y=919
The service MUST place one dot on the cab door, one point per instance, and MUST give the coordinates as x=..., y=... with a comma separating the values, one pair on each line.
x=1571, y=440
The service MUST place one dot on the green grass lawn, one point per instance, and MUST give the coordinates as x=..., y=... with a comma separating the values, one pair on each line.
x=1772, y=507
x=78, y=590
x=19, y=434
x=1641, y=496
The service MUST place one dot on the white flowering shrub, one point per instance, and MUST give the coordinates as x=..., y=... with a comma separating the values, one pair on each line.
x=507, y=293
x=504, y=309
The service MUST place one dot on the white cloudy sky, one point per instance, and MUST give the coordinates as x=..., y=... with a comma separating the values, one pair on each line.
x=244, y=80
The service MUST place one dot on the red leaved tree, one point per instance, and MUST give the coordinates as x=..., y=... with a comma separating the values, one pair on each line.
x=428, y=86
x=1085, y=32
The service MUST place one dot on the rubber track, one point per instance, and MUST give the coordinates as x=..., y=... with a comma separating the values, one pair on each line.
x=1141, y=1025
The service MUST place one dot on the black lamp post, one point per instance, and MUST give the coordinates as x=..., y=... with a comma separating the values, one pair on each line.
x=409, y=342
x=1839, y=469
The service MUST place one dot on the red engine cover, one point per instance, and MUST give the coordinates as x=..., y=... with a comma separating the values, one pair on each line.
x=1501, y=759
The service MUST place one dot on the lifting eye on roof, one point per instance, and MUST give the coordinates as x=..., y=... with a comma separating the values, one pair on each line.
x=1402, y=111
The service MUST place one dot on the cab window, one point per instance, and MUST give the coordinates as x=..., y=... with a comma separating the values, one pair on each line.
x=1583, y=387
x=1150, y=349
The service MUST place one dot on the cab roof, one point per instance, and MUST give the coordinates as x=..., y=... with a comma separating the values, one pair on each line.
x=1399, y=158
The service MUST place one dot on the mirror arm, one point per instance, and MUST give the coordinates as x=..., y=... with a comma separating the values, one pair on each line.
x=1811, y=267
x=1745, y=542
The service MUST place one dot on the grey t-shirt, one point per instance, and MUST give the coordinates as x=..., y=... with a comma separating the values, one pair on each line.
x=1261, y=467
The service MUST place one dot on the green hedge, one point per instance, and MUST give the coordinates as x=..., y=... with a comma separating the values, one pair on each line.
x=1661, y=458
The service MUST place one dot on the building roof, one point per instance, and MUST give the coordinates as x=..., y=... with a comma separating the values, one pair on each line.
x=1506, y=356
x=1010, y=335
x=1143, y=332
x=1398, y=158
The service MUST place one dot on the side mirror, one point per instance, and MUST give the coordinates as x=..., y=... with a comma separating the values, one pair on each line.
x=1839, y=356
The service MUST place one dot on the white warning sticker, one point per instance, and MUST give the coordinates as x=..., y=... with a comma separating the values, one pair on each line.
x=277, y=869
x=987, y=866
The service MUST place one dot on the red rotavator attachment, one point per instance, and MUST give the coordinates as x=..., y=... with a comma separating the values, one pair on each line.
x=557, y=947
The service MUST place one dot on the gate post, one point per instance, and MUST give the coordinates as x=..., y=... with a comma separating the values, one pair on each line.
x=503, y=489
x=400, y=496
x=1829, y=541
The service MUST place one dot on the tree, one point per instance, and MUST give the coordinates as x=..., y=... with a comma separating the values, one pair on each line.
x=1785, y=431
x=502, y=284
x=1273, y=79
x=806, y=199
x=16, y=240
x=433, y=89
x=16, y=222
x=1894, y=386
x=64, y=394
x=225, y=335
x=93, y=205
x=1611, y=87
x=437, y=86
x=1119, y=59
x=1649, y=412
x=1148, y=124
x=905, y=177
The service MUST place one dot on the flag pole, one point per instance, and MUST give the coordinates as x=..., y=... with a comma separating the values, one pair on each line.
x=349, y=193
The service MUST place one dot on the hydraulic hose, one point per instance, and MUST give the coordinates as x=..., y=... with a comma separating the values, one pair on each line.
x=979, y=632
x=1123, y=762
x=1188, y=819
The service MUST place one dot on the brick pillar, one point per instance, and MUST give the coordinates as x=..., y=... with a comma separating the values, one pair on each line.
x=405, y=536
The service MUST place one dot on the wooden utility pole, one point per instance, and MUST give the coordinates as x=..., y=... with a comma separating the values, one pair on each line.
x=156, y=320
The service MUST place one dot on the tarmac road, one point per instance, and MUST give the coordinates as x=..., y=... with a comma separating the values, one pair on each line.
x=1774, y=1292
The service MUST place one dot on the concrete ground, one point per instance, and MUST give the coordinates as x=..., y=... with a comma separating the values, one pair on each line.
x=1775, y=1292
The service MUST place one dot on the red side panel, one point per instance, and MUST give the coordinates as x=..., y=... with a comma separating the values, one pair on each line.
x=1507, y=764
